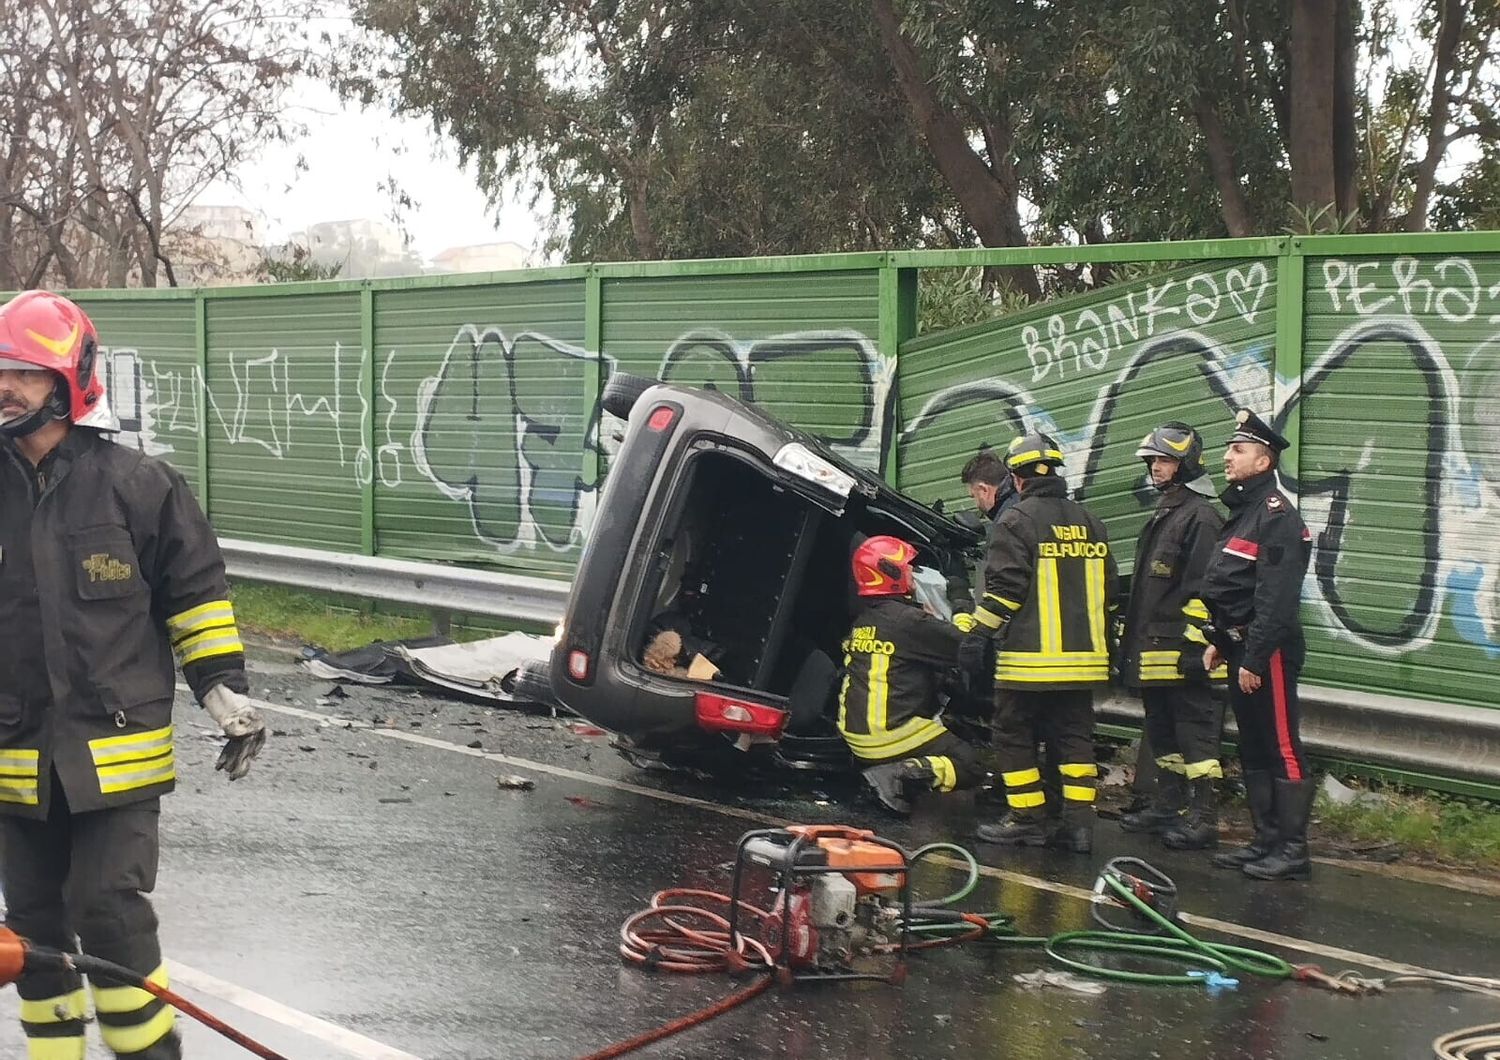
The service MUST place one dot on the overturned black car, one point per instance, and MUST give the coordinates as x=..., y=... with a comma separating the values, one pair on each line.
x=711, y=599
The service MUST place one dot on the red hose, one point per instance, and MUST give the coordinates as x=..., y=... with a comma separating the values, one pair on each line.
x=703, y=1015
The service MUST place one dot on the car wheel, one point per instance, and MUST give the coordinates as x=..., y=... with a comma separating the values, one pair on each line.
x=622, y=391
x=533, y=684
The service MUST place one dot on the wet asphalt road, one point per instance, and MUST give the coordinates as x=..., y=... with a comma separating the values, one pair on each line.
x=387, y=887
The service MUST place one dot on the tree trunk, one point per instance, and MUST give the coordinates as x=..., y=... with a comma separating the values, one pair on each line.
x=1449, y=28
x=1345, y=130
x=1312, y=94
x=1221, y=163
x=991, y=208
x=641, y=228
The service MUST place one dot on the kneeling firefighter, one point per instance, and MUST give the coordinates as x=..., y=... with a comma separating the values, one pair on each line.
x=1049, y=581
x=894, y=661
x=1161, y=651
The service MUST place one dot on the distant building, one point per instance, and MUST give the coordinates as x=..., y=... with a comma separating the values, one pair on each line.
x=211, y=246
x=361, y=247
x=481, y=257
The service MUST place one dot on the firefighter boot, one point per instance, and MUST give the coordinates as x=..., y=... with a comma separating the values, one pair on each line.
x=1289, y=860
x=1075, y=831
x=894, y=782
x=1261, y=796
x=1018, y=828
x=1165, y=808
x=54, y=1026
x=1198, y=829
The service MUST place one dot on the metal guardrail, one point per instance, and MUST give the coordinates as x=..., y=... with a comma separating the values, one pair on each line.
x=435, y=586
x=1447, y=740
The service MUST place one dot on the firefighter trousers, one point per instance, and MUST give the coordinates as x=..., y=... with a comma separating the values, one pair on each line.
x=83, y=879
x=954, y=762
x=1269, y=719
x=1065, y=722
x=1183, y=724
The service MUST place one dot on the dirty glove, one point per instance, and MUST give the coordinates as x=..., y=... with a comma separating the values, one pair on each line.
x=965, y=621
x=241, y=723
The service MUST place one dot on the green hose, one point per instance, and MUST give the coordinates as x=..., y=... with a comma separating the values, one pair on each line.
x=1177, y=945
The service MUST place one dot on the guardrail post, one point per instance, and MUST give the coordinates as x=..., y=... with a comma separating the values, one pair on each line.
x=898, y=323
x=367, y=418
x=1287, y=371
x=593, y=368
x=200, y=341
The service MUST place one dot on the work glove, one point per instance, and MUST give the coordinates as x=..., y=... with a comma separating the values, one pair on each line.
x=965, y=621
x=974, y=654
x=241, y=723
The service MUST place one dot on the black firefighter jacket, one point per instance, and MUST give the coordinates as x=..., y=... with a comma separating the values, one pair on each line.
x=894, y=660
x=1050, y=569
x=1163, y=637
x=1253, y=585
x=108, y=568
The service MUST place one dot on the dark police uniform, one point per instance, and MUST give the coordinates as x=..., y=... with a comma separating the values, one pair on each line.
x=1050, y=570
x=894, y=661
x=1253, y=590
x=108, y=569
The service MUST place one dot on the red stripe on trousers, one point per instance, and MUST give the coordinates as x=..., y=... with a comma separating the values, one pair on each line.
x=1283, y=726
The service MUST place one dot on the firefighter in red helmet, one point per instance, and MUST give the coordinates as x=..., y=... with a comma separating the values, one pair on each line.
x=108, y=569
x=895, y=659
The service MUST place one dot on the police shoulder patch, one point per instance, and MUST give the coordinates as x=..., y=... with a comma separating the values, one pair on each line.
x=1275, y=503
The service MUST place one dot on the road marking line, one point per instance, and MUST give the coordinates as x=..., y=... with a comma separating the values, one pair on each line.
x=1226, y=927
x=351, y=1042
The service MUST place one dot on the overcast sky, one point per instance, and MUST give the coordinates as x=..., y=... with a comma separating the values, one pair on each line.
x=348, y=154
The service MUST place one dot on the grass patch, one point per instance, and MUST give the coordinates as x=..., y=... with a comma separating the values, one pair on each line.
x=1441, y=828
x=339, y=623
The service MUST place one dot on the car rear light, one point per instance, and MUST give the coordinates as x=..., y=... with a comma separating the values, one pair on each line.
x=804, y=463
x=661, y=418
x=718, y=713
x=578, y=664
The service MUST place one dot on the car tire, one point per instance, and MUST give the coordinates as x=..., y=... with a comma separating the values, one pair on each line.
x=533, y=684
x=622, y=391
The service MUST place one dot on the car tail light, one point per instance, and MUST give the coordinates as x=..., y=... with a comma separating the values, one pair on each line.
x=578, y=664
x=661, y=418
x=723, y=714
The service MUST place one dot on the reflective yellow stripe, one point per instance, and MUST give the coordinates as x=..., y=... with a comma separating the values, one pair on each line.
x=1194, y=634
x=1009, y=605
x=965, y=621
x=19, y=761
x=1026, y=799
x=1078, y=769
x=1048, y=607
x=1220, y=672
x=1021, y=777
x=20, y=790
x=1160, y=658
x=205, y=645
x=844, y=694
x=1081, y=676
x=880, y=692
x=1172, y=763
x=1077, y=793
x=1062, y=658
x=1093, y=572
x=213, y=613
x=947, y=776
x=128, y=776
x=1209, y=767
x=72, y=1047
x=987, y=617
x=117, y=1000
x=1194, y=609
x=141, y=1037
x=892, y=742
x=132, y=748
x=59, y=1009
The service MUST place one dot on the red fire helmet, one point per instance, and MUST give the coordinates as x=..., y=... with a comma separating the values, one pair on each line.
x=882, y=566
